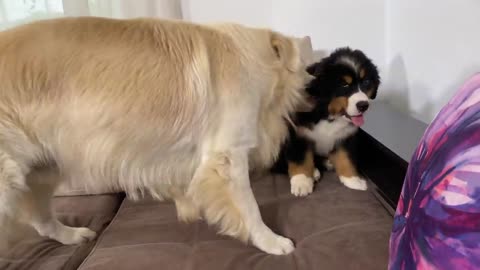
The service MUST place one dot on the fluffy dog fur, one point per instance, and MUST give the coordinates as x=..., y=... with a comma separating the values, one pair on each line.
x=344, y=84
x=145, y=106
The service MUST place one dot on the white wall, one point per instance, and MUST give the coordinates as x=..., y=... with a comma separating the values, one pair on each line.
x=257, y=13
x=432, y=47
x=332, y=24
x=170, y=9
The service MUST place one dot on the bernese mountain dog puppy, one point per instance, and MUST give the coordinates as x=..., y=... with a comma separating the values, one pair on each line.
x=345, y=83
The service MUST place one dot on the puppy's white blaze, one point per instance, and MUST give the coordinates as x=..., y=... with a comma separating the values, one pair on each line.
x=353, y=100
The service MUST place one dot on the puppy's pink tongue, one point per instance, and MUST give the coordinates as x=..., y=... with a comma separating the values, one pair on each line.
x=358, y=120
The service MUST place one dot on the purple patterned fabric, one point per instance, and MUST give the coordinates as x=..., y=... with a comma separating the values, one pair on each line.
x=437, y=223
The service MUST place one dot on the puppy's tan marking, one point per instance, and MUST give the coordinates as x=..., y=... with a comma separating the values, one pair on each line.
x=306, y=167
x=362, y=73
x=342, y=163
x=348, y=79
x=337, y=105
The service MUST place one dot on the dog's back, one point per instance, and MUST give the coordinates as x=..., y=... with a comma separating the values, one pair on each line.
x=76, y=91
x=174, y=109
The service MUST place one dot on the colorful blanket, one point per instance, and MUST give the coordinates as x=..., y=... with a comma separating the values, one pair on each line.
x=437, y=222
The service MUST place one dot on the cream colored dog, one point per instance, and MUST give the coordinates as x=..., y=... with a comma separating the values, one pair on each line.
x=177, y=110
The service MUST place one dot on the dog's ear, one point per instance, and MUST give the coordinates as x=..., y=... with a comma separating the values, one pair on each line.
x=287, y=50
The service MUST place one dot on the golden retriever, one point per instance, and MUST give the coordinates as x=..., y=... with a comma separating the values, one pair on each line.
x=177, y=110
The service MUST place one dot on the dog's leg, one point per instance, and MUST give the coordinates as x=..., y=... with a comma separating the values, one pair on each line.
x=346, y=170
x=303, y=174
x=40, y=213
x=187, y=211
x=28, y=200
x=13, y=188
x=260, y=235
x=301, y=166
x=221, y=187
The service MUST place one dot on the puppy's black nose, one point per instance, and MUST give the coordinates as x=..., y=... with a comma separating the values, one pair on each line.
x=362, y=106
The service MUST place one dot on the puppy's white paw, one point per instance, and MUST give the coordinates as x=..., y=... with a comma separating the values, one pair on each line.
x=301, y=185
x=316, y=175
x=354, y=182
x=328, y=165
x=275, y=244
x=72, y=236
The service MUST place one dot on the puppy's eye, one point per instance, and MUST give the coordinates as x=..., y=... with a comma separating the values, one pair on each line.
x=366, y=83
x=345, y=85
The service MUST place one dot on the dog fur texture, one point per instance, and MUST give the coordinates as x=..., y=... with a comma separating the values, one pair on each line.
x=148, y=107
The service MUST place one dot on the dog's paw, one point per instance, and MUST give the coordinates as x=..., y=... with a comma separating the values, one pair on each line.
x=354, y=182
x=328, y=165
x=72, y=236
x=281, y=246
x=301, y=185
x=275, y=244
x=316, y=175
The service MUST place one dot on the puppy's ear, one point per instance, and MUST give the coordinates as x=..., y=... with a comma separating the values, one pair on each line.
x=287, y=51
x=372, y=94
x=314, y=69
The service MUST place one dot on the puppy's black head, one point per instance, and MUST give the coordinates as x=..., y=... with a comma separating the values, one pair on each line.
x=344, y=83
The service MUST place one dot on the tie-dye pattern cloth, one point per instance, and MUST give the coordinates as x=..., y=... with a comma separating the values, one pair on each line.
x=437, y=222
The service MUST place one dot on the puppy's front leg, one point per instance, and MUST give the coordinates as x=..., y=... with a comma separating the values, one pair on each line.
x=301, y=166
x=221, y=187
x=346, y=170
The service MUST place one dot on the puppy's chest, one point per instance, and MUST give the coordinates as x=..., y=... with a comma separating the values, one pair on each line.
x=326, y=134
